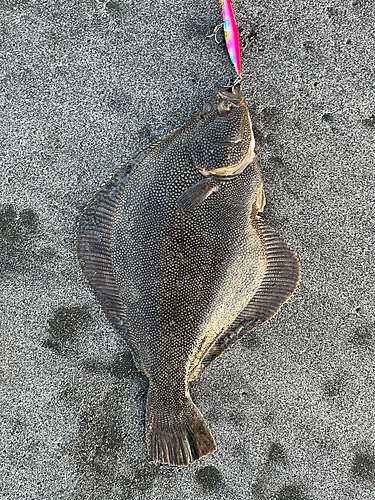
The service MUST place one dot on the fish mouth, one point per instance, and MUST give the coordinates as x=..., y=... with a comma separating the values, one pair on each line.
x=236, y=97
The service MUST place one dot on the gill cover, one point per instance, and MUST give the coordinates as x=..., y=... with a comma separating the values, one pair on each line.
x=222, y=143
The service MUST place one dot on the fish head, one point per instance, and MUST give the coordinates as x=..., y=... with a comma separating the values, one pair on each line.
x=222, y=143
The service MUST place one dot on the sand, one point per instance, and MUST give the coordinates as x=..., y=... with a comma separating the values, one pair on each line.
x=84, y=85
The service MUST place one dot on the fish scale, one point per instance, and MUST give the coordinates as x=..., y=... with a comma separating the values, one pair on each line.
x=181, y=264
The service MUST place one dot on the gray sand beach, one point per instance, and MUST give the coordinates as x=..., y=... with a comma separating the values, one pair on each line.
x=85, y=84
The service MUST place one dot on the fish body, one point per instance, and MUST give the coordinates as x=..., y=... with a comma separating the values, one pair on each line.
x=232, y=37
x=182, y=265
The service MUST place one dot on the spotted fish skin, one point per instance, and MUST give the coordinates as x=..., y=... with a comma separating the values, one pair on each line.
x=181, y=264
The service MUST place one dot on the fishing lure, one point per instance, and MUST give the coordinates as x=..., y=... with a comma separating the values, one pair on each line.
x=232, y=37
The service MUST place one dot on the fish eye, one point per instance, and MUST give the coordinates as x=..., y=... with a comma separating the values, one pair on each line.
x=224, y=107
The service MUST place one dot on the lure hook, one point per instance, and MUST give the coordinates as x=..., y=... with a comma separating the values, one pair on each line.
x=236, y=83
x=215, y=32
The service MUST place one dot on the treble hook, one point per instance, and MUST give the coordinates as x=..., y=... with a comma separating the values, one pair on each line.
x=215, y=32
x=237, y=82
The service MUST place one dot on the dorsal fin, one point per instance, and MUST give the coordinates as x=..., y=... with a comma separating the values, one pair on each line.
x=93, y=241
x=278, y=285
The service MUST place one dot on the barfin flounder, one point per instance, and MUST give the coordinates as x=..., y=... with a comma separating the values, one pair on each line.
x=181, y=264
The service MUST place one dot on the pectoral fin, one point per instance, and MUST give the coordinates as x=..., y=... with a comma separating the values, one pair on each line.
x=196, y=194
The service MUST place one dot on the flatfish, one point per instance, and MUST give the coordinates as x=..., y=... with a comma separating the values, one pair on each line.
x=182, y=265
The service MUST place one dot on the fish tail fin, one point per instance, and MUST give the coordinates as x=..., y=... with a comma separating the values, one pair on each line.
x=177, y=437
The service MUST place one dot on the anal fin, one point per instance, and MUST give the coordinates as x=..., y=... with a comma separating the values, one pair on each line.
x=280, y=281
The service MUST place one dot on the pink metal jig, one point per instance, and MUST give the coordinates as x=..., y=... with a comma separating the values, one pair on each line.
x=232, y=37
